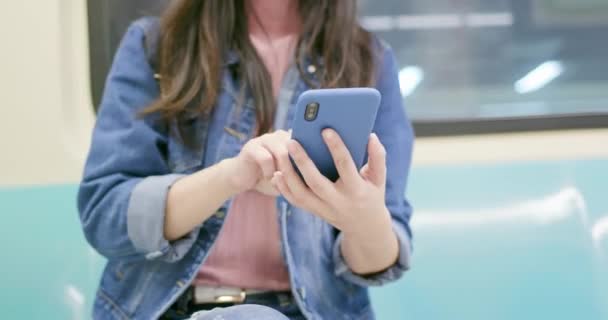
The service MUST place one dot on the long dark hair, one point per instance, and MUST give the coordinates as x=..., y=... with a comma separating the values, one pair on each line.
x=196, y=36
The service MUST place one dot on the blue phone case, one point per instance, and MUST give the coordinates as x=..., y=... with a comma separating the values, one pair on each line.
x=351, y=112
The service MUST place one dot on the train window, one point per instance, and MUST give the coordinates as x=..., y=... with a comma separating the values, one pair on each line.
x=487, y=66
x=108, y=21
x=467, y=66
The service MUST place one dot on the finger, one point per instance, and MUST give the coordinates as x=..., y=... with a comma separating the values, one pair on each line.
x=283, y=134
x=277, y=146
x=376, y=162
x=317, y=182
x=279, y=183
x=309, y=203
x=364, y=172
x=266, y=187
x=284, y=165
x=287, y=171
x=342, y=159
x=301, y=193
x=265, y=161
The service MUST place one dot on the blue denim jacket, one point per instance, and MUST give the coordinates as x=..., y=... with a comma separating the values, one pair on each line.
x=133, y=162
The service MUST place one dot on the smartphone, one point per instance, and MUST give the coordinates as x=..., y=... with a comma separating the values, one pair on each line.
x=351, y=112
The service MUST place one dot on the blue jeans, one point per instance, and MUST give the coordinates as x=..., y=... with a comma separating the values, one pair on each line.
x=271, y=306
x=241, y=312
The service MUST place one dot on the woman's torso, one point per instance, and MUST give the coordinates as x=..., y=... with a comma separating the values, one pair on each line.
x=144, y=289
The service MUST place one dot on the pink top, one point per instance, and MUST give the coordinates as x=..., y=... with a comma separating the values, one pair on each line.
x=247, y=253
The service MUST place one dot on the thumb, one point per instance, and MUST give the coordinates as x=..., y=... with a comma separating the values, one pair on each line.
x=375, y=170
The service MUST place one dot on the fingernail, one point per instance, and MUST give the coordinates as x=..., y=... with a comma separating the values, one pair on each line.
x=374, y=136
x=327, y=134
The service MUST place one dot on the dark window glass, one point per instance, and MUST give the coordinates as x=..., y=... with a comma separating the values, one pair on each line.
x=466, y=66
x=108, y=21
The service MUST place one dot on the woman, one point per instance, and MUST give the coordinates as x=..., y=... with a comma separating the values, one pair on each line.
x=188, y=189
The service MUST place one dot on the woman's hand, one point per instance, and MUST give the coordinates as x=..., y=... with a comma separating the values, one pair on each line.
x=265, y=187
x=251, y=169
x=354, y=204
x=351, y=204
x=255, y=165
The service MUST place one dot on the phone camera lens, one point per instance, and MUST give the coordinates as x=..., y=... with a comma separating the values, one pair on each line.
x=311, y=112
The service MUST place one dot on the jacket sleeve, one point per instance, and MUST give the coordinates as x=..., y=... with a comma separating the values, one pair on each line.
x=396, y=134
x=122, y=197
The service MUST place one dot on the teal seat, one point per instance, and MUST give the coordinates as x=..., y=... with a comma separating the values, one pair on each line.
x=525, y=241
x=48, y=269
x=513, y=241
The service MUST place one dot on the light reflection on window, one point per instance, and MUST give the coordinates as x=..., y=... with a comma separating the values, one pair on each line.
x=495, y=59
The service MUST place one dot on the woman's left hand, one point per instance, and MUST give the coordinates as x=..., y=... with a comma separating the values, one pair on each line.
x=355, y=203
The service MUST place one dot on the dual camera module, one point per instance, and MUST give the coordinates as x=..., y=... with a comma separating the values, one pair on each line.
x=311, y=112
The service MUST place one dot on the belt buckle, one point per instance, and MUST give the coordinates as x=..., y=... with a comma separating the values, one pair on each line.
x=235, y=299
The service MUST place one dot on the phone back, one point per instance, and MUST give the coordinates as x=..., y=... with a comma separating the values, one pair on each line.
x=351, y=112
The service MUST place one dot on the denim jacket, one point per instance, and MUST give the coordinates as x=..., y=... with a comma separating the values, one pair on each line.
x=133, y=161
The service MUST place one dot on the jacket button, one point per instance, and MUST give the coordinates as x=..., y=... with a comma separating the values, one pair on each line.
x=180, y=284
x=311, y=69
x=302, y=292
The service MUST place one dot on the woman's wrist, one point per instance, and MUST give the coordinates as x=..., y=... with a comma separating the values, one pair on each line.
x=186, y=208
x=372, y=249
x=229, y=169
x=377, y=223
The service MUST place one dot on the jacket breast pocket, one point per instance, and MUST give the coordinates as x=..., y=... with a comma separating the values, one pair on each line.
x=186, y=145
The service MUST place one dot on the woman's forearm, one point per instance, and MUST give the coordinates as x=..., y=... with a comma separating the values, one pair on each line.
x=195, y=198
x=373, y=251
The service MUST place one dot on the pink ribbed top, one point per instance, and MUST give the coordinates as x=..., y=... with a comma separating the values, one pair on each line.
x=247, y=253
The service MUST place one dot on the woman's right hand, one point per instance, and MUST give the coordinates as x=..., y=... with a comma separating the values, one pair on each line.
x=250, y=170
x=255, y=165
